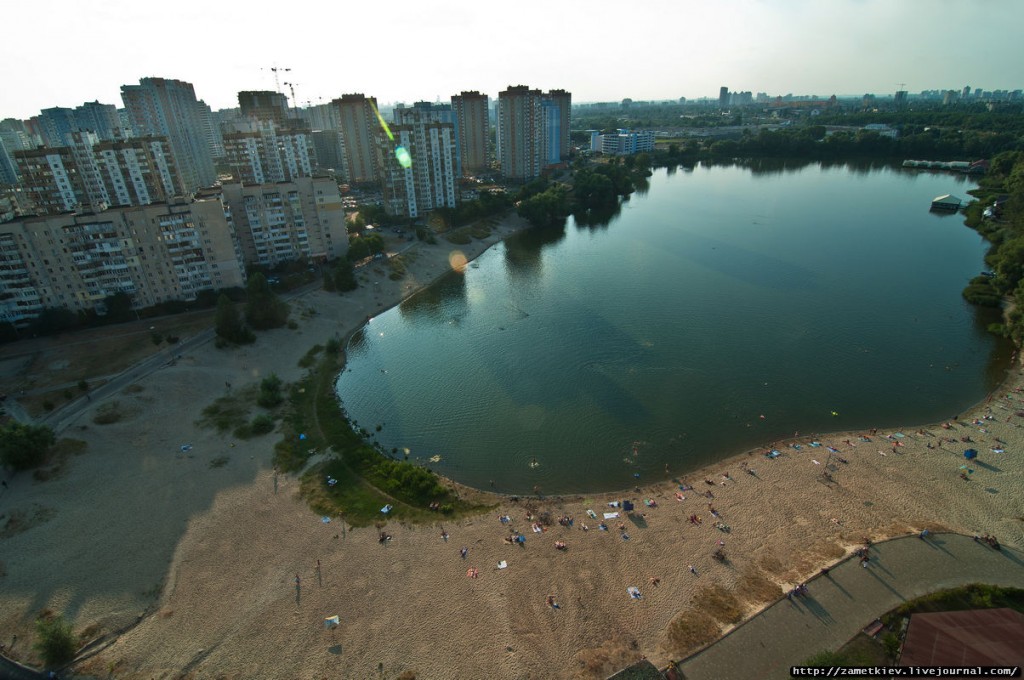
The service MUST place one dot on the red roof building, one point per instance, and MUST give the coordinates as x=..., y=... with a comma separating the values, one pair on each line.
x=985, y=637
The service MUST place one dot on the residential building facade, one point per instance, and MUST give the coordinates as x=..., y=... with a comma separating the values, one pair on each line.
x=532, y=131
x=473, y=127
x=269, y=152
x=430, y=181
x=273, y=223
x=156, y=253
x=169, y=108
x=360, y=130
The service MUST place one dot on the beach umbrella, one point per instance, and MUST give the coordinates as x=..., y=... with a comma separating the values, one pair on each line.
x=970, y=454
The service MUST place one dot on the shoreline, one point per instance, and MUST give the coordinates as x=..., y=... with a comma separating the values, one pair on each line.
x=235, y=575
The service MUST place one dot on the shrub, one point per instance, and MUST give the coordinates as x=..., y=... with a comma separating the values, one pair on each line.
x=25, y=446
x=262, y=424
x=55, y=640
x=270, y=392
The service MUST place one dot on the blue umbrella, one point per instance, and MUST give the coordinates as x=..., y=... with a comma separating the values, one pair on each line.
x=970, y=454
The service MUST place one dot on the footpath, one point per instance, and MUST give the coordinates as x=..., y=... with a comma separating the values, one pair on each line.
x=839, y=605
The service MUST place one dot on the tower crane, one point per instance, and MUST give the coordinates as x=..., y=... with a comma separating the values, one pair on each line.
x=277, y=78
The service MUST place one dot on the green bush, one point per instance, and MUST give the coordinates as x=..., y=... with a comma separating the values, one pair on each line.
x=23, y=447
x=262, y=424
x=270, y=392
x=55, y=640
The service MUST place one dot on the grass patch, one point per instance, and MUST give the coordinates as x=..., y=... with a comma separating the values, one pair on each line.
x=480, y=231
x=309, y=358
x=366, y=478
x=108, y=413
x=228, y=412
x=720, y=604
x=691, y=629
x=460, y=237
x=973, y=596
x=397, y=266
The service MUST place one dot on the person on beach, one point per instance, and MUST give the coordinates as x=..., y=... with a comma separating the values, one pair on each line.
x=692, y=570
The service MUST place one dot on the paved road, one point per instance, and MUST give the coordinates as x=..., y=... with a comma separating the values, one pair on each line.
x=850, y=597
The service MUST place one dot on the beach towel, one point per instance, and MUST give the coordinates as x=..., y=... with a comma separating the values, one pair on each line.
x=634, y=592
x=611, y=515
x=386, y=509
x=537, y=529
x=332, y=621
x=325, y=519
x=591, y=514
x=502, y=564
x=815, y=462
x=613, y=504
x=815, y=444
x=773, y=454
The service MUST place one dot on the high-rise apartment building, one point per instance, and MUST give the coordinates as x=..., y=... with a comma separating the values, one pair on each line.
x=533, y=128
x=153, y=253
x=360, y=130
x=169, y=108
x=329, y=149
x=100, y=119
x=269, y=153
x=263, y=105
x=50, y=179
x=427, y=132
x=563, y=100
x=87, y=172
x=723, y=97
x=473, y=128
x=273, y=223
x=137, y=171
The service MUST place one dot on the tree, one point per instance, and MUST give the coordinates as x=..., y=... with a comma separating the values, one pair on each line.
x=55, y=640
x=228, y=325
x=25, y=446
x=263, y=309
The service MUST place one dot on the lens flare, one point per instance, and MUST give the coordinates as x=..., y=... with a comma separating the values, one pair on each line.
x=404, y=159
x=457, y=260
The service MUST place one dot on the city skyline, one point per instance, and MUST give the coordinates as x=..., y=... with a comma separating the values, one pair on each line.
x=409, y=52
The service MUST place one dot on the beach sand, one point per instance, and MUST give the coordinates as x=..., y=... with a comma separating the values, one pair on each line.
x=198, y=563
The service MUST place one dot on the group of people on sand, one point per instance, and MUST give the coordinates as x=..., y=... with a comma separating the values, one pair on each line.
x=988, y=540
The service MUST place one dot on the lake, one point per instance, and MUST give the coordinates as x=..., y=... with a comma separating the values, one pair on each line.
x=722, y=308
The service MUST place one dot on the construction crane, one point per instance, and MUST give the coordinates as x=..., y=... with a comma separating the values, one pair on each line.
x=295, y=102
x=277, y=78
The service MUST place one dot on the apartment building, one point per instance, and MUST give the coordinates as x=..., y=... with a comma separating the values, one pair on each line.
x=168, y=108
x=263, y=105
x=532, y=131
x=303, y=218
x=269, y=152
x=88, y=172
x=360, y=130
x=473, y=126
x=155, y=253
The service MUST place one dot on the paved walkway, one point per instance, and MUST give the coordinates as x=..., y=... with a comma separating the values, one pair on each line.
x=839, y=605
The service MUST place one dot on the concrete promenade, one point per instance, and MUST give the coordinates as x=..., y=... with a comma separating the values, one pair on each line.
x=850, y=597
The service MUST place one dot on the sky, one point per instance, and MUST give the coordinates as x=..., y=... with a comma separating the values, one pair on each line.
x=66, y=52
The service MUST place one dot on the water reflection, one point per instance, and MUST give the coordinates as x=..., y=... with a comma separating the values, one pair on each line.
x=523, y=251
x=444, y=300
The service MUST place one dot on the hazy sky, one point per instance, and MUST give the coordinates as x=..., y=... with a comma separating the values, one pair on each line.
x=66, y=52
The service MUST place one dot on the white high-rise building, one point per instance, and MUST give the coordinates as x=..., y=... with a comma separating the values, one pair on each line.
x=427, y=133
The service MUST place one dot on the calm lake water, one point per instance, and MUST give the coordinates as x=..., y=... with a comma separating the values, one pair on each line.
x=721, y=309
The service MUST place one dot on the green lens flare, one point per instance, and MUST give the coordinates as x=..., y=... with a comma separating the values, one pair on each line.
x=404, y=159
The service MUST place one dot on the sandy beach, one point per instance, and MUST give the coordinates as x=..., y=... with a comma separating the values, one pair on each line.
x=214, y=574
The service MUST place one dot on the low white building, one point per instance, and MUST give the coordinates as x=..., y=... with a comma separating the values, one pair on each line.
x=623, y=142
